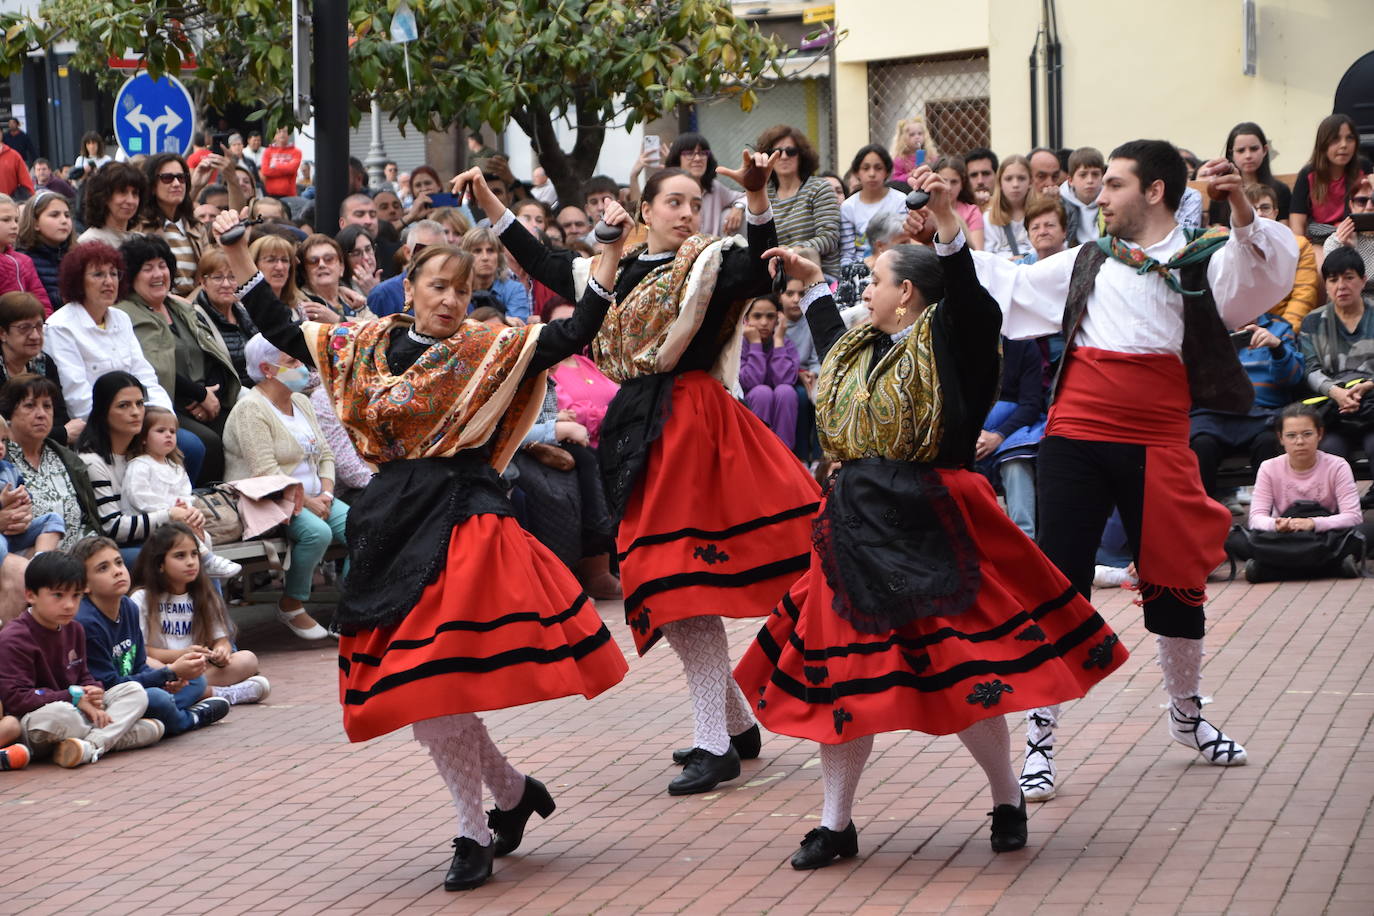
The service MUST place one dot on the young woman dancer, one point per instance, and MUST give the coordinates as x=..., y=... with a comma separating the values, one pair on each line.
x=714, y=510
x=924, y=607
x=449, y=608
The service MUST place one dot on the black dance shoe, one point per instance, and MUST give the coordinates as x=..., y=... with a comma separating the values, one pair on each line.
x=508, y=827
x=471, y=865
x=822, y=846
x=704, y=770
x=1009, y=826
x=747, y=744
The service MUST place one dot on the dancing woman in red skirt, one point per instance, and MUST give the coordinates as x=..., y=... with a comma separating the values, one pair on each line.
x=449, y=607
x=924, y=608
x=714, y=511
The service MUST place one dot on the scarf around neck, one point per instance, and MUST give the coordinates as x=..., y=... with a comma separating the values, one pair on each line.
x=1201, y=245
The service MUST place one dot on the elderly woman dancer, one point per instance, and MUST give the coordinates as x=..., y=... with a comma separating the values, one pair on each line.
x=713, y=509
x=924, y=608
x=449, y=608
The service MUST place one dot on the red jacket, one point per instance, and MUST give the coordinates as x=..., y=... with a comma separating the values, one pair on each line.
x=17, y=273
x=13, y=172
x=279, y=167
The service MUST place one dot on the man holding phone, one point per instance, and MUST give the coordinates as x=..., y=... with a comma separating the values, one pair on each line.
x=1357, y=230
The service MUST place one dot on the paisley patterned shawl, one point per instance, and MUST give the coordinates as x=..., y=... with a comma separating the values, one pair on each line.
x=458, y=394
x=647, y=332
x=891, y=410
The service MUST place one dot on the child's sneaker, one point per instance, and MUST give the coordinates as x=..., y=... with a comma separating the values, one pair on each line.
x=209, y=711
x=217, y=567
x=253, y=690
x=145, y=732
x=14, y=757
x=1112, y=576
x=73, y=752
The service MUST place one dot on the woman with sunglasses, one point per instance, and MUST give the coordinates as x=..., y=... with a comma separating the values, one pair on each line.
x=804, y=206
x=322, y=268
x=169, y=211
x=674, y=433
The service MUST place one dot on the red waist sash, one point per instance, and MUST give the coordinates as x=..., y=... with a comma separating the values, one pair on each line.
x=1143, y=399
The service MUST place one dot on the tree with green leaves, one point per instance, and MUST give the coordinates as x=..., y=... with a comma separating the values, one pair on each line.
x=592, y=62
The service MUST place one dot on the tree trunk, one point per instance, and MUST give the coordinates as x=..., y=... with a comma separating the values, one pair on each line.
x=567, y=170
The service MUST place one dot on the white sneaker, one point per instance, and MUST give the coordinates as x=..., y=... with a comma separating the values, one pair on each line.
x=74, y=752
x=1196, y=733
x=1245, y=495
x=253, y=690
x=145, y=732
x=1111, y=577
x=216, y=567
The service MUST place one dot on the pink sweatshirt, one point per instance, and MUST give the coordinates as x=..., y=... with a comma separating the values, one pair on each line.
x=1329, y=482
x=17, y=274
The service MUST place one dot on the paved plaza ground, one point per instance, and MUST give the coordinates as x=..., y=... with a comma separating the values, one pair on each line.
x=273, y=811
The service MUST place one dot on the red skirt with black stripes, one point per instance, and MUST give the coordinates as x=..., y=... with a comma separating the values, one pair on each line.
x=504, y=625
x=720, y=519
x=1027, y=640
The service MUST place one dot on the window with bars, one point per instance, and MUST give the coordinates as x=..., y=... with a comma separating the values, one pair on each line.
x=949, y=92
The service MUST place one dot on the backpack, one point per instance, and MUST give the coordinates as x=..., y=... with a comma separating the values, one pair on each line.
x=220, y=506
x=1298, y=553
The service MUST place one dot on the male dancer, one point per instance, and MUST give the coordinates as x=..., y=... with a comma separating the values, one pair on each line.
x=1146, y=312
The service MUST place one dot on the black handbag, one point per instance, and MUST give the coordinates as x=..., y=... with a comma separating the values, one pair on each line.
x=1296, y=553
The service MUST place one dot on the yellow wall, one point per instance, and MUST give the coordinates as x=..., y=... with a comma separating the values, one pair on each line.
x=1174, y=71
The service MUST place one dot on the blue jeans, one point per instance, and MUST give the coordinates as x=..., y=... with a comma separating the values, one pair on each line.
x=310, y=538
x=171, y=709
x=193, y=450
x=47, y=523
x=1018, y=483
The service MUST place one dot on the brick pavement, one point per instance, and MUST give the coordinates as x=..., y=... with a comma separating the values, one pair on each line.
x=272, y=811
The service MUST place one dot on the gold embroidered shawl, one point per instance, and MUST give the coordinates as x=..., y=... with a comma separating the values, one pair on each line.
x=648, y=332
x=891, y=410
x=458, y=394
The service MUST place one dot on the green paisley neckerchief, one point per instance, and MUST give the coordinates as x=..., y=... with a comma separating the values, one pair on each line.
x=891, y=410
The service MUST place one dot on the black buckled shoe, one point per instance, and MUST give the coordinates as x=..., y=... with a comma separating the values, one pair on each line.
x=823, y=846
x=471, y=865
x=704, y=770
x=508, y=827
x=1009, y=826
x=747, y=744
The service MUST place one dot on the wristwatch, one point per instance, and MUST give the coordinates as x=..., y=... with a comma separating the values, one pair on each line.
x=77, y=693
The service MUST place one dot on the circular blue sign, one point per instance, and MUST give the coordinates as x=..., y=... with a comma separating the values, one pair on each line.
x=154, y=116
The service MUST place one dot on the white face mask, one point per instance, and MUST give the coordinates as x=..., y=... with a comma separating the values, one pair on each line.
x=295, y=378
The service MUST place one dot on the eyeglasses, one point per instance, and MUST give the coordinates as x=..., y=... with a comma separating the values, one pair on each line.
x=695, y=154
x=221, y=279
x=787, y=152
x=1301, y=436
x=172, y=177
x=360, y=251
x=317, y=259
x=27, y=328
x=1362, y=200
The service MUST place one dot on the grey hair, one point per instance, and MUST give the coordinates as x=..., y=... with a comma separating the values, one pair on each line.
x=259, y=350
x=422, y=225
x=921, y=266
x=884, y=227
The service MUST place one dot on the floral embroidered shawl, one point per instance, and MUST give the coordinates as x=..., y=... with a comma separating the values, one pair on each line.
x=891, y=410
x=457, y=395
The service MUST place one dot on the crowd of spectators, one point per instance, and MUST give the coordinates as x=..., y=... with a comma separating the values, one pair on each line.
x=122, y=342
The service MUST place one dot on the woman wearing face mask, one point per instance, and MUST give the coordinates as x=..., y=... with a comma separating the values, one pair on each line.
x=273, y=430
x=925, y=608
x=449, y=608
x=674, y=432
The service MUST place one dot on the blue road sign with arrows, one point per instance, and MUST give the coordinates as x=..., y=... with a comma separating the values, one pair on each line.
x=153, y=116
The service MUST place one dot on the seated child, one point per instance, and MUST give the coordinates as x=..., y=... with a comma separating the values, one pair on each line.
x=1305, y=517
x=62, y=709
x=45, y=531
x=114, y=646
x=183, y=612
x=768, y=369
x=156, y=480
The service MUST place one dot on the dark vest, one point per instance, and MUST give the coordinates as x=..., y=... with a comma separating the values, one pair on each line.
x=1216, y=378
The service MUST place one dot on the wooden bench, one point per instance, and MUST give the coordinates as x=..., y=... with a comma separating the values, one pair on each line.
x=266, y=554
